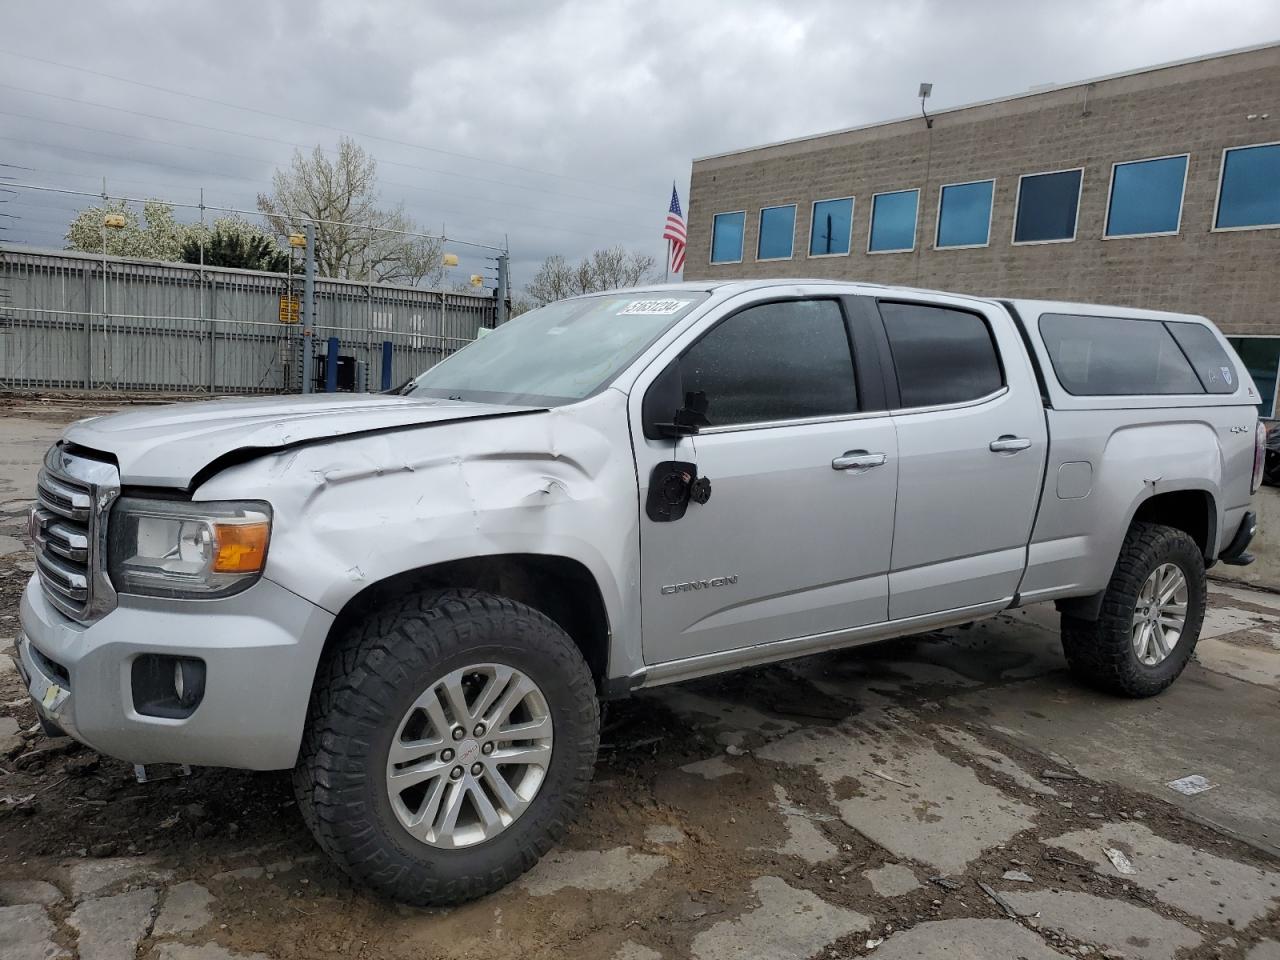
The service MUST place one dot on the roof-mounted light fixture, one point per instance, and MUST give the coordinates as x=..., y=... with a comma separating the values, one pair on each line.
x=926, y=89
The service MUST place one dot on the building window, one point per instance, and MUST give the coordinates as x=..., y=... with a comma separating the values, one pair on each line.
x=1261, y=357
x=726, y=237
x=777, y=233
x=964, y=214
x=893, y=222
x=1047, y=207
x=1146, y=197
x=1249, y=192
x=831, y=227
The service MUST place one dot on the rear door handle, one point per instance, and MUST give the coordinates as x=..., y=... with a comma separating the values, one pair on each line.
x=1009, y=444
x=858, y=460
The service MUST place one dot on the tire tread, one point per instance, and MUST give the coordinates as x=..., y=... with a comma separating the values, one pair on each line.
x=1100, y=653
x=364, y=670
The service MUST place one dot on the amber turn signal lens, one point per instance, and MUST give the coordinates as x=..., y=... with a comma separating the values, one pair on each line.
x=241, y=547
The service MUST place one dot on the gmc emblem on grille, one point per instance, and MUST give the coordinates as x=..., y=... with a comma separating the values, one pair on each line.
x=698, y=584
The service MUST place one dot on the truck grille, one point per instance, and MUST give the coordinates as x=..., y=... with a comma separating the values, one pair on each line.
x=74, y=494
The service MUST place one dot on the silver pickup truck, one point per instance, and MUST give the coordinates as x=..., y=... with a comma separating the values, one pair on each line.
x=417, y=601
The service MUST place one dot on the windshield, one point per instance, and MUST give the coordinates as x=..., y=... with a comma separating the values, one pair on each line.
x=556, y=354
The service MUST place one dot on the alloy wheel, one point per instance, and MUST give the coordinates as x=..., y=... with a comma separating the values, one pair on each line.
x=469, y=755
x=1160, y=615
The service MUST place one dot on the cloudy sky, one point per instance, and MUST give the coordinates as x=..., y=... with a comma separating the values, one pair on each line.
x=556, y=124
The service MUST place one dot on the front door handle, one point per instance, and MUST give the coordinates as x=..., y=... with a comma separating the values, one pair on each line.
x=1009, y=444
x=858, y=460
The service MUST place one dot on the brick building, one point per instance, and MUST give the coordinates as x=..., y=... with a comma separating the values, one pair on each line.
x=1157, y=188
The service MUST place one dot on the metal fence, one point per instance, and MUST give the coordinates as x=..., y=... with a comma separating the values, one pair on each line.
x=82, y=321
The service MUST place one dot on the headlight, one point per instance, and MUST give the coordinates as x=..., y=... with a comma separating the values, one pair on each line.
x=173, y=548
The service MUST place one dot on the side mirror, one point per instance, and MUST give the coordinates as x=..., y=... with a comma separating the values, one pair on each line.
x=669, y=413
x=690, y=418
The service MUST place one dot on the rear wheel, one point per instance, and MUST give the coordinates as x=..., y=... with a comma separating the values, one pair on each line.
x=1151, y=616
x=450, y=743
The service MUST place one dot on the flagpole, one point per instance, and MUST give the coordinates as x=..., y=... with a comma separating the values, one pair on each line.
x=666, y=269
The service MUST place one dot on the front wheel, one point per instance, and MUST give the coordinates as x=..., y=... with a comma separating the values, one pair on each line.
x=1151, y=616
x=450, y=743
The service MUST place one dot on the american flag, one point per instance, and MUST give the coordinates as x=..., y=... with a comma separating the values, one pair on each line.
x=674, y=233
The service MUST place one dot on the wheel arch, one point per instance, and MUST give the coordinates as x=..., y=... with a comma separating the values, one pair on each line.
x=560, y=587
x=1192, y=510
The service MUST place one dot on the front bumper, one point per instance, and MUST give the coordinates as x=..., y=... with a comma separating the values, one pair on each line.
x=260, y=648
x=44, y=685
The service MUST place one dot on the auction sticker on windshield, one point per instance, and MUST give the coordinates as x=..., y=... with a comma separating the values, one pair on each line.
x=654, y=308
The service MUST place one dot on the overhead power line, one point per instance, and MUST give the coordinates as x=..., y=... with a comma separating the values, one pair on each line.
x=221, y=209
x=304, y=146
x=323, y=126
x=139, y=160
x=301, y=146
x=96, y=176
x=270, y=160
x=467, y=215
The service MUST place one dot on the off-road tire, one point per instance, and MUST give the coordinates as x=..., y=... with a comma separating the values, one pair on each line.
x=1100, y=653
x=363, y=689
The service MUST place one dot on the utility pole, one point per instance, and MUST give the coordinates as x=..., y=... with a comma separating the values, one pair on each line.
x=503, y=290
x=309, y=308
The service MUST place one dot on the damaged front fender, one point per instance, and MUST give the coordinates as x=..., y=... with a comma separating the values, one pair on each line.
x=357, y=510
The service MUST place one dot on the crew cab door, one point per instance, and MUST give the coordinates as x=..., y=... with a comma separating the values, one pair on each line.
x=971, y=452
x=800, y=455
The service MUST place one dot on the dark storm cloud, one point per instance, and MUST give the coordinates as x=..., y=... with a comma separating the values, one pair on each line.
x=581, y=112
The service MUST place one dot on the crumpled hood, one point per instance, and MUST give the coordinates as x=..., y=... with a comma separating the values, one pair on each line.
x=166, y=446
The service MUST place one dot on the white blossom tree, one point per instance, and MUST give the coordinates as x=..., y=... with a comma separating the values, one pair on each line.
x=156, y=236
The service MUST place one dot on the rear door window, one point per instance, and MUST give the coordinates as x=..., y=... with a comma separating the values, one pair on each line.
x=1116, y=356
x=941, y=355
x=1216, y=370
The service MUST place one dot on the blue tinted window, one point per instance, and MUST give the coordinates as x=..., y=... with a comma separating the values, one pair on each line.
x=726, y=237
x=1146, y=197
x=893, y=221
x=1047, y=205
x=777, y=233
x=1250, y=187
x=1261, y=357
x=829, y=232
x=964, y=214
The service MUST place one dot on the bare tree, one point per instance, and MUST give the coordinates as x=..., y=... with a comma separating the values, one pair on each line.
x=617, y=267
x=521, y=303
x=554, y=280
x=606, y=269
x=356, y=239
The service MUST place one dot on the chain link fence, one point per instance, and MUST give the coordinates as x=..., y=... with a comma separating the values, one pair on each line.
x=84, y=321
